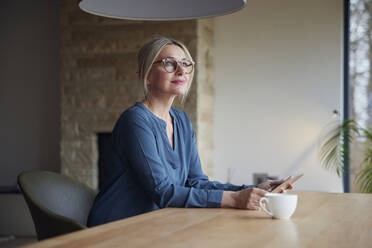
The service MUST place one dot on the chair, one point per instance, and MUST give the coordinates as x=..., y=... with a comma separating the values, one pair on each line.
x=58, y=204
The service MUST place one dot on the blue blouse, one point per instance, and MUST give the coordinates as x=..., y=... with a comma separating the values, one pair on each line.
x=146, y=173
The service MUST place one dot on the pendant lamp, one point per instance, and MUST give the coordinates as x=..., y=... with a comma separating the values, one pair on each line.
x=161, y=10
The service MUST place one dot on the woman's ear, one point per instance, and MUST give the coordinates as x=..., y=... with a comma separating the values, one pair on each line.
x=148, y=79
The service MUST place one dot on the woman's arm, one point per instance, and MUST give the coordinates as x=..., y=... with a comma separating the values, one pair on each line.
x=244, y=199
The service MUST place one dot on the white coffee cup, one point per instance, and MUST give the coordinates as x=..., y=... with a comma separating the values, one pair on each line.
x=279, y=206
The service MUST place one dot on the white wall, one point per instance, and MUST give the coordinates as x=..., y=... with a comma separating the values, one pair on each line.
x=278, y=77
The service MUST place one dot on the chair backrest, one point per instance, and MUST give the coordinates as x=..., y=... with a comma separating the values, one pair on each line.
x=58, y=204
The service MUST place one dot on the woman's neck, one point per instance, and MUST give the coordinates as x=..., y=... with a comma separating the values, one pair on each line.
x=158, y=107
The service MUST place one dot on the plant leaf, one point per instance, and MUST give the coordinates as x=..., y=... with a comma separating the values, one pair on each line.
x=364, y=177
x=333, y=147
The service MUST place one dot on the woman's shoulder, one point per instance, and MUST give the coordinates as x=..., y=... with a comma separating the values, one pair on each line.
x=133, y=114
x=180, y=114
x=183, y=120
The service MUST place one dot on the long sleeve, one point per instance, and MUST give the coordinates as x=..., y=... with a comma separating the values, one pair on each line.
x=136, y=141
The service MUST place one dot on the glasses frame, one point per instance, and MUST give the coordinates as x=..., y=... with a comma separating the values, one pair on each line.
x=179, y=62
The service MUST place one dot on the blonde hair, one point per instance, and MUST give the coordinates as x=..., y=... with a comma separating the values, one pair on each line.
x=149, y=52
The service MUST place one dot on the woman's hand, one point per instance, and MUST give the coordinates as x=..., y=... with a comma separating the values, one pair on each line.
x=249, y=198
x=244, y=199
x=269, y=185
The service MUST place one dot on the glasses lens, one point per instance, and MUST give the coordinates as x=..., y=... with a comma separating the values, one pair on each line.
x=170, y=65
x=187, y=65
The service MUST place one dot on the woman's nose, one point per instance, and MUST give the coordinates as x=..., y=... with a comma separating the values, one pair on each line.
x=180, y=69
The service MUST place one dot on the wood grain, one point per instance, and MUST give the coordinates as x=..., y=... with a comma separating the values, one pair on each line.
x=320, y=220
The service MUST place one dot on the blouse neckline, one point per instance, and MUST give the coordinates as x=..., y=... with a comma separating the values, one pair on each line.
x=164, y=125
x=171, y=112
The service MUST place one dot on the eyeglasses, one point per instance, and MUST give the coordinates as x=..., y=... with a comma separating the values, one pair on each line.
x=171, y=64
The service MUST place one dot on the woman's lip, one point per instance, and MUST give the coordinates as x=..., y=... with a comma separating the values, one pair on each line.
x=178, y=81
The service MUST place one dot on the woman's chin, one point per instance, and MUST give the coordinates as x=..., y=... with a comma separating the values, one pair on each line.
x=179, y=92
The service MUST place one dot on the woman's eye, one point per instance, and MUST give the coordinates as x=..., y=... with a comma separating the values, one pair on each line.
x=186, y=63
x=169, y=64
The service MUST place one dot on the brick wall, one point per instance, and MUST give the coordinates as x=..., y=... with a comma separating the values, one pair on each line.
x=98, y=81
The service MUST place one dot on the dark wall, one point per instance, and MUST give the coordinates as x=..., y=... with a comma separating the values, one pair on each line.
x=29, y=87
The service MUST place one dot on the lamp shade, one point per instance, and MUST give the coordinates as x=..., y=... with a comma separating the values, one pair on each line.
x=159, y=10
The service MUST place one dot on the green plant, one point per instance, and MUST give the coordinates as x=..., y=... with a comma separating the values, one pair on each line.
x=333, y=151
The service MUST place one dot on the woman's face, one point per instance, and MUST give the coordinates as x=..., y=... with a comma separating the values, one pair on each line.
x=163, y=83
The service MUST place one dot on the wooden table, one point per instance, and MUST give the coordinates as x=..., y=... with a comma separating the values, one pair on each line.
x=321, y=220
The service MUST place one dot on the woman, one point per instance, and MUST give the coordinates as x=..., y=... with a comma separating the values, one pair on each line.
x=155, y=163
